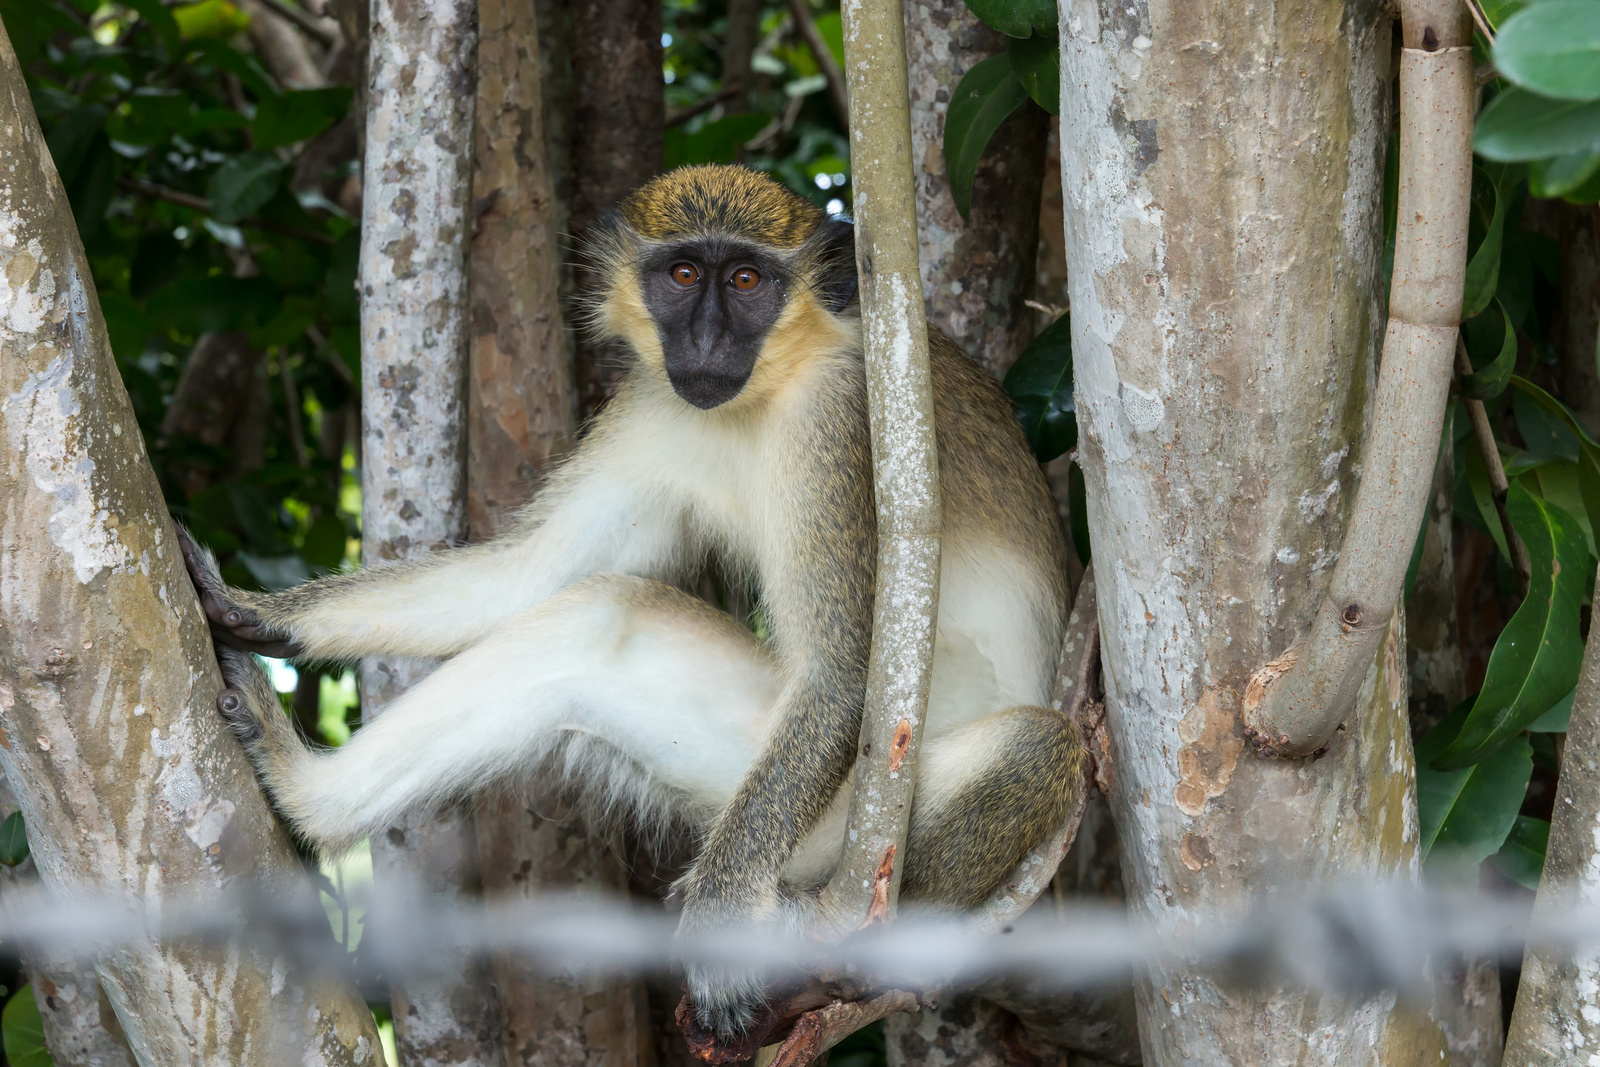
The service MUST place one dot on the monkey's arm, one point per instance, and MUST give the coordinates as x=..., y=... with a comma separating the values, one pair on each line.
x=591, y=519
x=818, y=594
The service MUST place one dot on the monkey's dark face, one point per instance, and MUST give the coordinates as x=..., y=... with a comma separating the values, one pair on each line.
x=714, y=301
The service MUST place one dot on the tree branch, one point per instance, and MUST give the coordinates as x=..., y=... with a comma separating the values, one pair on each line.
x=1298, y=712
x=199, y=203
x=1499, y=486
x=838, y=90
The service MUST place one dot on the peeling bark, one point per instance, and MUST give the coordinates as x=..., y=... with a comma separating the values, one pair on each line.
x=1223, y=262
x=127, y=777
x=1557, y=1015
x=978, y=272
x=619, y=116
x=414, y=332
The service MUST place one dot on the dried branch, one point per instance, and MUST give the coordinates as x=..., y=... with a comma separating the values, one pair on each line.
x=1297, y=714
x=838, y=90
x=1499, y=486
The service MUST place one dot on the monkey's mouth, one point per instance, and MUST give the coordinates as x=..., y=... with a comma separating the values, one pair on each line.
x=704, y=390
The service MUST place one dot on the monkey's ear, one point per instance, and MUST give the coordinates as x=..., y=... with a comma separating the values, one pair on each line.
x=832, y=248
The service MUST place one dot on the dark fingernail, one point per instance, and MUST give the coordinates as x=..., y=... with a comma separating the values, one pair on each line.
x=234, y=618
x=228, y=700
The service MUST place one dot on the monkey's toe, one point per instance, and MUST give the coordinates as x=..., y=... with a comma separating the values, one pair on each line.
x=235, y=709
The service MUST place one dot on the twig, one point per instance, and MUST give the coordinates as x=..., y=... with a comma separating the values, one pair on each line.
x=308, y=24
x=824, y=56
x=1481, y=20
x=819, y=1030
x=291, y=405
x=1499, y=486
x=700, y=107
x=202, y=205
x=1055, y=311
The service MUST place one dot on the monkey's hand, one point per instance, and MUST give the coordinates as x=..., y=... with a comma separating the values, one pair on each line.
x=730, y=999
x=234, y=624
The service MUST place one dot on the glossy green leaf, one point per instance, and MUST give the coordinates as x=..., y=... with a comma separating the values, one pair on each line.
x=1552, y=48
x=22, y=1031
x=1040, y=384
x=1483, y=269
x=243, y=184
x=1497, y=11
x=295, y=116
x=1520, y=125
x=1037, y=61
x=1521, y=858
x=1017, y=18
x=1557, y=719
x=13, y=840
x=1477, y=479
x=1562, y=175
x=1464, y=815
x=1490, y=381
x=1543, y=432
x=988, y=93
x=1588, y=450
x=1535, y=660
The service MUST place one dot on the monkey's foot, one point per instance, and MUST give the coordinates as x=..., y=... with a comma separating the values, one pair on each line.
x=246, y=691
x=232, y=624
x=706, y=1046
x=728, y=1001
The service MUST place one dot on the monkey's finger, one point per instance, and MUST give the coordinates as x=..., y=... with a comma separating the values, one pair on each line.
x=235, y=708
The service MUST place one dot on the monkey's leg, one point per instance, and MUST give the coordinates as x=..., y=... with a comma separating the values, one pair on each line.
x=986, y=793
x=677, y=690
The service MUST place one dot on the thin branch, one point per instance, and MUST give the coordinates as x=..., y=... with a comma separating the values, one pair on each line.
x=1499, y=486
x=202, y=205
x=700, y=107
x=1481, y=20
x=829, y=66
x=317, y=29
x=1297, y=701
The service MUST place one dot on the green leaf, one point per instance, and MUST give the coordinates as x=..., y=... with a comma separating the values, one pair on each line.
x=1483, y=270
x=1491, y=381
x=150, y=117
x=1477, y=478
x=831, y=29
x=23, y=1031
x=1542, y=431
x=1588, y=450
x=160, y=20
x=1561, y=175
x=988, y=93
x=295, y=116
x=1040, y=384
x=1536, y=658
x=715, y=142
x=235, y=62
x=1557, y=719
x=13, y=840
x=1017, y=18
x=1521, y=858
x=1552, y=48
x=210, y=18
x=243, y=184
x=1497, y=11
x=1519, y=125
x=1464, y=815
x=1037, y=62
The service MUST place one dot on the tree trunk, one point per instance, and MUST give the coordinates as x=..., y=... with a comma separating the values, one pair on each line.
x=618, y=122
x=1578, y=226
x=222, y=400
x=977, y=273
x=1555, y=1020
x=520, y=417
x=127, y=777
x=1223, y=263
x=414, y=330
x=80, y=1027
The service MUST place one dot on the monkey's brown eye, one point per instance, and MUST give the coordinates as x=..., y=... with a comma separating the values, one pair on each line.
x=745, y=279
x=685, y=273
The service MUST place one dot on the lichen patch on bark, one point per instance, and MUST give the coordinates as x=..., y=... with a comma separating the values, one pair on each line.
x=1211, y=747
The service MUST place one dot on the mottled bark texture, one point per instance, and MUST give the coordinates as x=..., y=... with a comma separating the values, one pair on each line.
x=1223, y=265
x=618, y=121
x=414, y=348
x=977, y=273
x=905, y=462
x=1557, y=1015
x=80, y=1026
x=1466, y=993
x=520, y=417
x=109, y=736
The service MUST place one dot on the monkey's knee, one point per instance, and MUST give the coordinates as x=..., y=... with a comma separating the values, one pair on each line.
x=989, y=798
